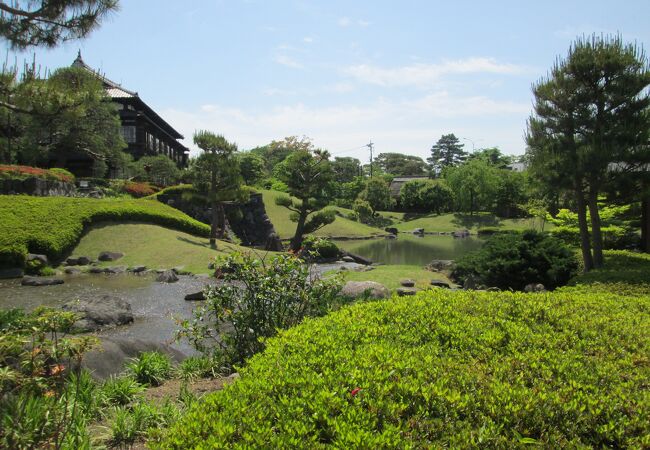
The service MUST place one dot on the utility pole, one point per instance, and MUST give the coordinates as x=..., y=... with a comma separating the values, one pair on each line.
x=370, y=145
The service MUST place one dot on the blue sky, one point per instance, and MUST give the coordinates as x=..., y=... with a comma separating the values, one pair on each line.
x=344, y=72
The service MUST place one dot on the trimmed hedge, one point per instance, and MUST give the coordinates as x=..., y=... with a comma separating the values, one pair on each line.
x=22, y=172
x=443, y=370
x=53, y=225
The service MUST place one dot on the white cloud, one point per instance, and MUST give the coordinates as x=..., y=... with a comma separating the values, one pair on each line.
x=344, y=22
x=363, y=23
x=408, y=126
x=308, y=40
x=347, y=21
x=286, y=60
x=420, y=74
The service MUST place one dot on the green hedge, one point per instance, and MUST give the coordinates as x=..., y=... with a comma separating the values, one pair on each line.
x=443, y=370
x=53, y=225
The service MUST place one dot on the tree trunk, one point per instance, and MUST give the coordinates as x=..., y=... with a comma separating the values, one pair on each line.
x=296, y=241
x=585, y=244
x=645, y=224
x=213, y=223
x=596, y=235
x=221, y=221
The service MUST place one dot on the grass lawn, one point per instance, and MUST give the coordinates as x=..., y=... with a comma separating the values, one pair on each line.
x=152, y=246
x=279, y=215
x=390, y=276
x=453, y=222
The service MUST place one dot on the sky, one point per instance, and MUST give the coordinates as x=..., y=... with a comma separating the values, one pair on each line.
x=344, y=73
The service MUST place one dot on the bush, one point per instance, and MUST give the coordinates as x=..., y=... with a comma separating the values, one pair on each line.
x=150, y=368
x=138, y=190
x=233, y=322
x=22, y=172
x=614, y=237
x=442, y=370
x=53, y=225
x=511, y=261
x=322, y=247
x=117, y=391
x=196, y=367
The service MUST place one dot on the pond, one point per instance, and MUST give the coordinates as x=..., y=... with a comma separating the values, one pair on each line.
x=411, y=249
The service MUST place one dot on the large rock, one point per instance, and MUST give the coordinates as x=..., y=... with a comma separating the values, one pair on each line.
x=40, y=260
x=115, y=270
x=391, y=230
x=534, y=287
x=369, y=289
x=441, y=265
x=72, y=271
x=40, y=281
x=12, y=272
x=418, y=231
x=406, y=291
x=168, y=276
x=78, y=261
x=100, y=312
x=440, y=283
x=110, y=256
x=195, y=296
x=460, y=233
x=407, y=283
x=471, y=283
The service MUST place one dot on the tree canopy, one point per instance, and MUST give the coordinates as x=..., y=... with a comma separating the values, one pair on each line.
x=446, y=152
x=398, y=164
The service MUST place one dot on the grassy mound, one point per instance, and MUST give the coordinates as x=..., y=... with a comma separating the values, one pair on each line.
x=152, y=245
x=453, y=222
x=279, y=216
x=53, y=225
x=390, y=276
x=443, y=370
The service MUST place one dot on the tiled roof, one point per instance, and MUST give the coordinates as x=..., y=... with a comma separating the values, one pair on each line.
x=113, y=89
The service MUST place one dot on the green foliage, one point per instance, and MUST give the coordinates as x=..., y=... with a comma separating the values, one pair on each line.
x=251, y=166
x=159, y=170
x=122, y=390
x=400, y=165
x=443, y=370
x=474, y=185
x=196, y=367
x=628, y=270
x=426, y=196
x=131, y=423
x=446, y=152
x=278, y=294
x=377, y=194
x=513, y=260
x=324, y=248
x=63, y=174
x=363, y=210
x=150, y=368
x=53, y=225
x=346, y=169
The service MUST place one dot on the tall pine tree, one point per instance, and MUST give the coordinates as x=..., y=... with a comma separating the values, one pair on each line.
x=447, y=152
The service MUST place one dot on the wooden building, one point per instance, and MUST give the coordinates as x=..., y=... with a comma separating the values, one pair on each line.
x=145, y=132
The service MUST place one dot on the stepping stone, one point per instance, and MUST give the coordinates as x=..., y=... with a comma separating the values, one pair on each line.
x=138, y=269
x=168, y=276
x=406, y=292
x=72, y=271
x=440, y=284
x=115, y=270
x=407, y=283
x=110, y=256
x=39, y=281
x=196, y=296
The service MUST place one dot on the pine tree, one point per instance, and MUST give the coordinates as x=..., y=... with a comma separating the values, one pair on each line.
x=446, y=152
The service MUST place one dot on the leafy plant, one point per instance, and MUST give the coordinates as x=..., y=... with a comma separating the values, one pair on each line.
x=122, y=390
x=150, y=368
x=257, y=299
x=323, y=248
x=196, y=367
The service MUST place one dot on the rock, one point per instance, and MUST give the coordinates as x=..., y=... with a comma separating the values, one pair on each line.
x=110, y=256
x=196, y=296
x=358, y=259
x=406, y=291
x=78, y=261
x=138, y=269
x=535, y=287
x=14, y=272
x=40, y=281
x=72, y=271
x=115, y=270
x=41, y=259
x=368, y=289
x=168, y=276
x=418, y=231
x=390, y=236
x=347, y=259
x=232, y=377
x=96, y=270
x=471, y=283
x=407, y=283
x=391, y=230
x=440, y=265
x=100, y=312
x=440, y=283
x=180, y=270
x=211, y=266
x=460, y=233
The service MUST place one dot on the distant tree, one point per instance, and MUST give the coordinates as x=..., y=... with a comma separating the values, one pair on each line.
x=447, y=152
x=216, y=171
x=277, y=151
x=28, y=23
x=398, y=164
x=70, y=114
x=158, y=169
x=426, y=196
x=307, y=173
x=474, y=185
x=590, y=112
x=346, y=169
x=364, y=210
x=377, y=194
x=492, y=156
x=251, y=166
x=347, y=193
x=510, y=193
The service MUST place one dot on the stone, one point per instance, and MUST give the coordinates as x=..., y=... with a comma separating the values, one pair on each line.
x=347, y=258
x=138, y=269
x=440, y=284
x=418, y=231
x=471, y=283
x=367, y=289
x=407, y=283
x=115, y=270
x=42, y=259
x=72, y=271
x=84, y=260
x=180, y=270
x=110, y=256
x=168, y=276
x=358, y=259
x=406, y=291
x=40, y=281
x=13, y=272
x=440, y=265
x=534, y=287
x=96, y=270
x=390, y=236
x=100, y=312
x=391, y=230
x=196, y=296
x=460, y=233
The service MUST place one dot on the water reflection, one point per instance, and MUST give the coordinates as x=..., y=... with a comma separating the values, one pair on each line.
x=412, y=250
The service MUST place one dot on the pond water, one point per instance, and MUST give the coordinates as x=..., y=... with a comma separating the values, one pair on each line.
x=153, y=304
x=411, y=249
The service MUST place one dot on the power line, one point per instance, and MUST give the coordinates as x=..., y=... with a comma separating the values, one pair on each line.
x=370, y=145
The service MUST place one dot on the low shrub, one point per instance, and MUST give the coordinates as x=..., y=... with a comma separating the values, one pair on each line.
x=321, y=247
x=150, y=368
x=53, y=225
x=511, y=261
x=22, y=172
x=122, y=390
x=196, y=367
x=138, y=190
x=233, y=322
x=443, y=369
x=614, y=237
